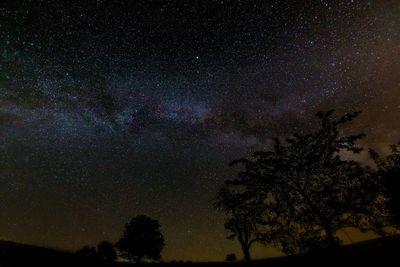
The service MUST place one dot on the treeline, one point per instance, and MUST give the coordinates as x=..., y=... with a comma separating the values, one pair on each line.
x=301, y=192
x=142, y=239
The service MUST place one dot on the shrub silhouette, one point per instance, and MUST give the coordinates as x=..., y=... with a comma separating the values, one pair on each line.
x=106, y=251
x=231, y=257
x=87, y=252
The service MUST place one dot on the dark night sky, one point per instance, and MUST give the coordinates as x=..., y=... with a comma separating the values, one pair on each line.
x=109, y=109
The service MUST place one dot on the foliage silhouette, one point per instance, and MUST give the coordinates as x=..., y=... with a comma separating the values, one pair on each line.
x=106, y=251
x=388, y=169
x=311, y=189
x=87, y=252
x=313, y=242
x=142, y=239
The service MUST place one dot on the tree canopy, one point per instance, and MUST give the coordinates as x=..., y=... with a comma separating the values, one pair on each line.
x=388, y=168
x=311, y=190
x=142, y=239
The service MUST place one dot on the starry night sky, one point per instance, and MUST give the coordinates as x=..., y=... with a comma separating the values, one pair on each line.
x=110, y=109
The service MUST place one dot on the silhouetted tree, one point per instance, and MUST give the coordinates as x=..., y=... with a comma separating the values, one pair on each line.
x=106, y=251
x=389, y=171
x=315, y=190
x=242, y=219
x=231, y=257
x=142, y=239
x=247, y=218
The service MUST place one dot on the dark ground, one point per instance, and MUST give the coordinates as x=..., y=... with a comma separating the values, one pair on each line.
x=381, y=252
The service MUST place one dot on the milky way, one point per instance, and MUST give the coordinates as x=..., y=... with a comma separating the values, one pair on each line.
x=112, y=109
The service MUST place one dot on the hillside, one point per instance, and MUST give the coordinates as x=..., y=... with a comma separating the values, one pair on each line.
x=12, y=253
x=377, y=251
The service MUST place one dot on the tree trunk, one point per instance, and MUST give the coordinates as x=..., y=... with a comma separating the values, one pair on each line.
x=329, y=237
x=246, y=252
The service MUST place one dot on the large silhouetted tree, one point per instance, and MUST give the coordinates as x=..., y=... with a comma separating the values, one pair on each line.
x=316, y=190
x=389, y=170
x=142, y=239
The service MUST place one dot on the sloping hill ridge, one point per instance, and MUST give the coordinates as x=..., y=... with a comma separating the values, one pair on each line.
x=12, y=253
x=382, y=251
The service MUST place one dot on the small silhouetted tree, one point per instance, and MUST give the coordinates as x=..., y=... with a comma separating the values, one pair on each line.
x=231, y=257
x=142, y=239
x=246, y=218
x=315, y=189
x=106, y=251
x=241, y=221
x=389, y=170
